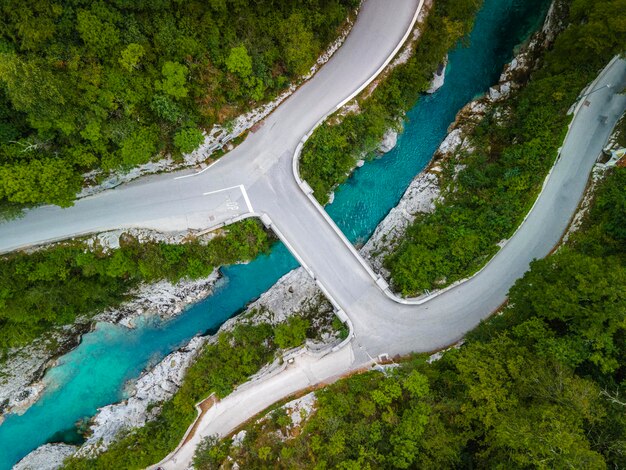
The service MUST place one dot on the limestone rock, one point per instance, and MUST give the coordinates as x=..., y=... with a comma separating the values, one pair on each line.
x=390, y=139
x=46, y=457
x=439, y=77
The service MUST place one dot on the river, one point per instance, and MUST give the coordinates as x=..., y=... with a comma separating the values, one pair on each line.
x=95, y=373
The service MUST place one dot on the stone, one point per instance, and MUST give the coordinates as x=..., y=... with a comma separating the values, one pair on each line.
x=439, y=77
x=390, y=139
x=46, y=457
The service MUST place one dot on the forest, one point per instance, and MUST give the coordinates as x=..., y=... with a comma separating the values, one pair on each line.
x=70, y=282
x=542, y=384
x=111, y=84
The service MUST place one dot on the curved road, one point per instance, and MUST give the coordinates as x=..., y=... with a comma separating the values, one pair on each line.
x=257, y=179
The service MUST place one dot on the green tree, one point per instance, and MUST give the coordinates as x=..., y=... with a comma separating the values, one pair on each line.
x=291, y=333
x=174, y=80
x=299, y=44
x=188, y=139
x=239, y=62
x=131, y=56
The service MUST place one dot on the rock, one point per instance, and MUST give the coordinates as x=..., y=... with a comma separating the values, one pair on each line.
x=419, y=197
x=288, y=295
x=46, y=457
x=360, y=163
x=390, y=139
x=238, y=438
x=499, y=92
x=439, y=77
x=19, y=402
x=451, y=143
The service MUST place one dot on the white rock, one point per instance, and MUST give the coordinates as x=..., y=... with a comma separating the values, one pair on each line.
x=46, y=457
x=390, y=139
x=288, y=295
x=439, y=77
x=420, y=196
x=452, y=142
x=494, y=93
x=239, y=437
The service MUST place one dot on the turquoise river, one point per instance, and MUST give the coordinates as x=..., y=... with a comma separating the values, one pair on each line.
x=96, y=372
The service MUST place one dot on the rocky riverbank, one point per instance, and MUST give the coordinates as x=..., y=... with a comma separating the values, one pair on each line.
x=22, y=383
x=425, y=190
x=293, y=294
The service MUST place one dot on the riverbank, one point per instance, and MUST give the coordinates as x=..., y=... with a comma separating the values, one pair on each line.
x=24, y=366
x=425, y=189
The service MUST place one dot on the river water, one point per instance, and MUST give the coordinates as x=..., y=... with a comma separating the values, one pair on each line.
x=95, y=373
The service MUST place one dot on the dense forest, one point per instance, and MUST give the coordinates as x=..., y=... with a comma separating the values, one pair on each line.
x=486, y=201
x=541, y=385
x=56, y=286
x=115, y=83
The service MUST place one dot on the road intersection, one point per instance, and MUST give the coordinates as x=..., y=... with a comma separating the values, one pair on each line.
x=260, y=178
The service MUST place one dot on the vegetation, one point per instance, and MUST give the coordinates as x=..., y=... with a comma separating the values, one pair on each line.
x=486, y=200
x=53, y=287
x=114, y=83
x=331, y=152
x=541, y=385
x=218, y=369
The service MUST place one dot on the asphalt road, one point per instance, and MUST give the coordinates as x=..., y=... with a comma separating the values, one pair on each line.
x=257, y=178
x=384, y=324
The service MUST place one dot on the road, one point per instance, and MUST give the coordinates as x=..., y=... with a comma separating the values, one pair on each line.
x=383, y=324
x=259, y=178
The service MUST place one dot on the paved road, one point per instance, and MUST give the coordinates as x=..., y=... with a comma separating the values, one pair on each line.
x=381, y=323
x=165, y=203
x=257, y=178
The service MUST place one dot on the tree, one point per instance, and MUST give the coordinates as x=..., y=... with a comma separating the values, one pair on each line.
x=188, y=139
x=291, y=333
x=174, y=79
x=131, y=56
x=140, y=146
x=239, y=62
x=299, y=44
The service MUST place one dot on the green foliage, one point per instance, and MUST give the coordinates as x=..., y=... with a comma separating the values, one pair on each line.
x=174, y=78
x=489, y=197
x=54, y=287
x=108, y=84
x=239, y=62
x=187, y=140
x=292, y=333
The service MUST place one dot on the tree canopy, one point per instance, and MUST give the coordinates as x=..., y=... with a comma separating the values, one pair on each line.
x=111, y=83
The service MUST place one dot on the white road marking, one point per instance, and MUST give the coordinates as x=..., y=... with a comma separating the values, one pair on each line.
x=222, y=190
x=243, y=192
x=246, y=198
x=198, y=173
